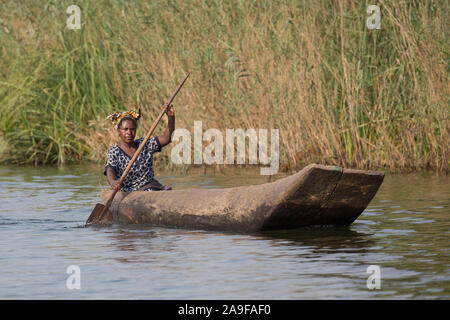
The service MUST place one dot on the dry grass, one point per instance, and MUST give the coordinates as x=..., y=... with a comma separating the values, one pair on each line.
x=338, y=92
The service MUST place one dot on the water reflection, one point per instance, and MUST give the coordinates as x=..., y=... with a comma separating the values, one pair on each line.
x=325, y=239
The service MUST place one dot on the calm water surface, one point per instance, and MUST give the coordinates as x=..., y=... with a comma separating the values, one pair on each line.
x=405, y=231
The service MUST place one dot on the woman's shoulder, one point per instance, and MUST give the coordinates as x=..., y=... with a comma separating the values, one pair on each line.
x=113, y=149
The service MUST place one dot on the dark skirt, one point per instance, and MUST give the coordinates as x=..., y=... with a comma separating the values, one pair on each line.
x=154, y=186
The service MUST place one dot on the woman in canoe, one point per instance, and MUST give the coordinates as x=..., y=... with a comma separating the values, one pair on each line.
x=141, y=175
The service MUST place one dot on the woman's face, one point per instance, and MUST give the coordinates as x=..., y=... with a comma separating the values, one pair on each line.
x=127, y=131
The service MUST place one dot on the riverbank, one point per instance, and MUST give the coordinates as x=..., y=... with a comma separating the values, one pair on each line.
x=339, y=92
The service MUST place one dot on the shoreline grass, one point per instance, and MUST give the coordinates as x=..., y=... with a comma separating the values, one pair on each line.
x=339, y=93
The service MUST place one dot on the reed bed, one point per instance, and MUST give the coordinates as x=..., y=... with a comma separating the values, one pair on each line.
x=338, y=92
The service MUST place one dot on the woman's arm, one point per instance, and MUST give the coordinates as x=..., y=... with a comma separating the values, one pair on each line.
x=166, y=137
x=111, y=177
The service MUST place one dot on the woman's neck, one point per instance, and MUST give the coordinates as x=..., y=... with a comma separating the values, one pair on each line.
x=127, y=145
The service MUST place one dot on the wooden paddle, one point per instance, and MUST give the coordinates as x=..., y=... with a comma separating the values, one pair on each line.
x=101, y=213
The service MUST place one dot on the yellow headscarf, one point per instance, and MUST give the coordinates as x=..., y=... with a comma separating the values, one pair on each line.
x=116, y=117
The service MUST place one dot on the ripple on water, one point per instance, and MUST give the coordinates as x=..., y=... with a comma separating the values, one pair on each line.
x=404, y=231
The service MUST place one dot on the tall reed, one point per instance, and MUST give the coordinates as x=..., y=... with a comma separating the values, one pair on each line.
x=339, y=92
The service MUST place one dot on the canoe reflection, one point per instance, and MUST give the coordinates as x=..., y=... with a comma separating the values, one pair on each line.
x=149, y=242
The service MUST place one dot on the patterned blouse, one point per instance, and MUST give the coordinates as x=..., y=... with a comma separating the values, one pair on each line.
x=141, y=172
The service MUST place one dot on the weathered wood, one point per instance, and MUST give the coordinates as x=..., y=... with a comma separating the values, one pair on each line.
x=317, y=195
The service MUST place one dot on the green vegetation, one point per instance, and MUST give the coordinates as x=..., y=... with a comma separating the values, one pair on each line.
x=339, y=92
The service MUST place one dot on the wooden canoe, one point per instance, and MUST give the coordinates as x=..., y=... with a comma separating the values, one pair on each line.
x=316, y=195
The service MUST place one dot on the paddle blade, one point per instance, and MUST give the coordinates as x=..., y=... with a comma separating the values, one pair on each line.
x=99, y=216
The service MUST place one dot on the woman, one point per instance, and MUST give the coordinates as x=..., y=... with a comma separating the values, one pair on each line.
x=141, y=175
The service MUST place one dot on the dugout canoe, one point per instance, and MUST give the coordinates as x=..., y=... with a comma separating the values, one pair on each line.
x=316, y=195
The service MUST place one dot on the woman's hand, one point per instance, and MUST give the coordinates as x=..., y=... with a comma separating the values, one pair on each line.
x=115, y=185
x=166, y=137
x=169, y=111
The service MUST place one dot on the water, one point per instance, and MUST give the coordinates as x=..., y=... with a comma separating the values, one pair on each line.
x=404, y=231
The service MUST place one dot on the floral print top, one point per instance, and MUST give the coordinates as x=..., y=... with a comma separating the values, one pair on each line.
x=141, y=172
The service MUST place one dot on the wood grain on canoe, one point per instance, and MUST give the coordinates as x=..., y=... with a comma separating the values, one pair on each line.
x=316, y=195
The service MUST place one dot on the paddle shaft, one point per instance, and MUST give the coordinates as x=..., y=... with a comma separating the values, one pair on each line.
x=141, y=146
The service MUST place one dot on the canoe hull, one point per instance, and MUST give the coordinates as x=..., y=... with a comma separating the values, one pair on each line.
x=317, y=195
